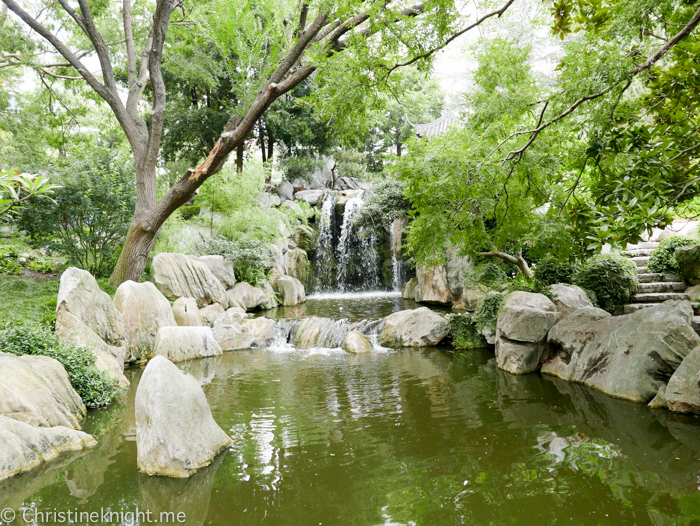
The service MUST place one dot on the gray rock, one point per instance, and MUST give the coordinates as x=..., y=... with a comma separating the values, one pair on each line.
x=398, y=228
x=356, y=342
x=233, y=316
x=569, y=298
x=211, y=313
x=290, y=290
x=306, y=238
x=144, y=310
x=526, y=317
x=659, y=401
x=409, y=289
x=185, y=343
x=270, y=297
x=36, y=390
x=413, y=328
x=297, y=263
x=233, y=337
x=178, y=276
x=520, y=357
x=689, y=263
x=285, y=191
x=628, y=356
x=455, y=269
x=350, y=183
x=472, y=299
x=221, y=268
x=24, y=447
x=310, y=196
x=268, y=200
x=176, y=434
x=683, y=390
x=246, y=297
x=259, y=328
x=186, y=313
x=80, y=295
x=432, y=285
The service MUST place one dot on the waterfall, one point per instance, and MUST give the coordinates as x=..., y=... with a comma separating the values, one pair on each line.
x=325, y=254
x=319, y=332
x=356, y=256
x=398, y=275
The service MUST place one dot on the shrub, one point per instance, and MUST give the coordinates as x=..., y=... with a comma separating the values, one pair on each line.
x=188, y=212
x=663, y=258
x=9, y=263
x=249, y=257
x=96, y=388
x=488, y=273
x=463, y=331
x=611, y=277
x=549, y=271
x=487, y=315
x=386, y=203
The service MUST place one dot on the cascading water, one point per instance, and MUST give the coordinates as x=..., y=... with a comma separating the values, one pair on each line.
x=398, y=275
x=325, y=255
x=356, y=256
x=319, y=332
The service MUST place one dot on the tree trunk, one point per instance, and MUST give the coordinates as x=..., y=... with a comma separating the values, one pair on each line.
x=398, y=149
x=270, y=146
x=261, y=138
x=515, y=260
x=133, y=257
x=239, y=158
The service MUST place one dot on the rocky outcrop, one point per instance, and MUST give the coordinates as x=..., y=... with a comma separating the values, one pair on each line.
x=569, y=298
x=413, y=328
x=144, y=310
x=233, y=337
x=176, y=434
x=233, y=316
x=297, y=264
x=178, y=276
x=259, y=328
x=306, y=238
x=186, y=313
x=521, y=332
x=455, y=269
x=270, y=297
x=310, y=196
x=473, y=298
x=409, y=289
x=285, y=191
x=356, y=342
x=290, y=290
x=628, y=356
x=689, y=263
x=246, y=297
x=398, y=227
x=36, y=390
x=432, y=285
x=24, y=447
x=211, y=313
x=221, y=268
x=185, y=343
x=683, y=391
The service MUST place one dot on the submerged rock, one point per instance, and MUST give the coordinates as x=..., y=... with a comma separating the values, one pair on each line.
x=246, y=297
x=356, y=342
x=186, y=313
x=659, y=401
x=144, y=310
x=175, y=432
x=36, y=390
x=184, y=343
x=24, y=447
x=290, y=290
x=178, y=275
x=628, y=356
x=413, y=328
x=683, y=390
x=259, y=328
x=569, y=298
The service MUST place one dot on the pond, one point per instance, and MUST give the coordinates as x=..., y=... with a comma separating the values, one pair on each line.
x=401, y=437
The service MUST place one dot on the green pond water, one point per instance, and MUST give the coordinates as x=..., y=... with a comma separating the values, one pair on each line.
x=396, y=437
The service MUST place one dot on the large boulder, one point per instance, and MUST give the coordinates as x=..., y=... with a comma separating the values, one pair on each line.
x=176, y=434
x=683, y=391
x=526, y=317
x=518, y=357
x=473, y=298
x=80, y=295
x=310, y=196
x=306, y=238
x=628, y=356
x=36, y=390
x=233, y=337
x=297, y=264
x=432, y=285
x=290, y=290
x=270, y=297
x=186, y=313
x=569, y=298
x=178, y=275
x=144, y=310
x=247, y=297
x=455, y=269
x=259, y=328
x=413, y=328
x=356, y=342
x=185, y=343
x=233, y=316
x=211, y=313
x=689, y=263
x=285, y=191
x=24, y=447
x=221, y=268
x=409, y=289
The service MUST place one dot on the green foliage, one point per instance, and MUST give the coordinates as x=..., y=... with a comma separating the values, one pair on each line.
x=549, y=270
x=487, y=315
x=299, y=168
x=89, y=215
x=463, y=332
x=96, y=388
x=12, y=261
x=386, y=203
x=16, y=189
x=249, y=257
x=489, y=273
x=663, y=258
x=188, y=212
x=611, y=277
x=16, y=308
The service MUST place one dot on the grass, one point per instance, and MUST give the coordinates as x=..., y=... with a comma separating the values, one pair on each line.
x=30, y=300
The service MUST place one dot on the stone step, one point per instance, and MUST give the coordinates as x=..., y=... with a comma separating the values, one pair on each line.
x=641, y=270
x=634, y=307
x=656, y=278
x=669, y=286
x=640, y=261
x=644, y=244
x=658, y=297
x=637, y=252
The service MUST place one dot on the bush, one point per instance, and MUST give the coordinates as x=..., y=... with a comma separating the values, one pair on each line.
x=96, y=388
x=488, y=273
x=463, y=331
x=188, y=212
x=249, y=257
x=611, y=277
x=663, y=258
x=549, y=271
x=9, y=262
x=386, y=203
x=487, y=315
